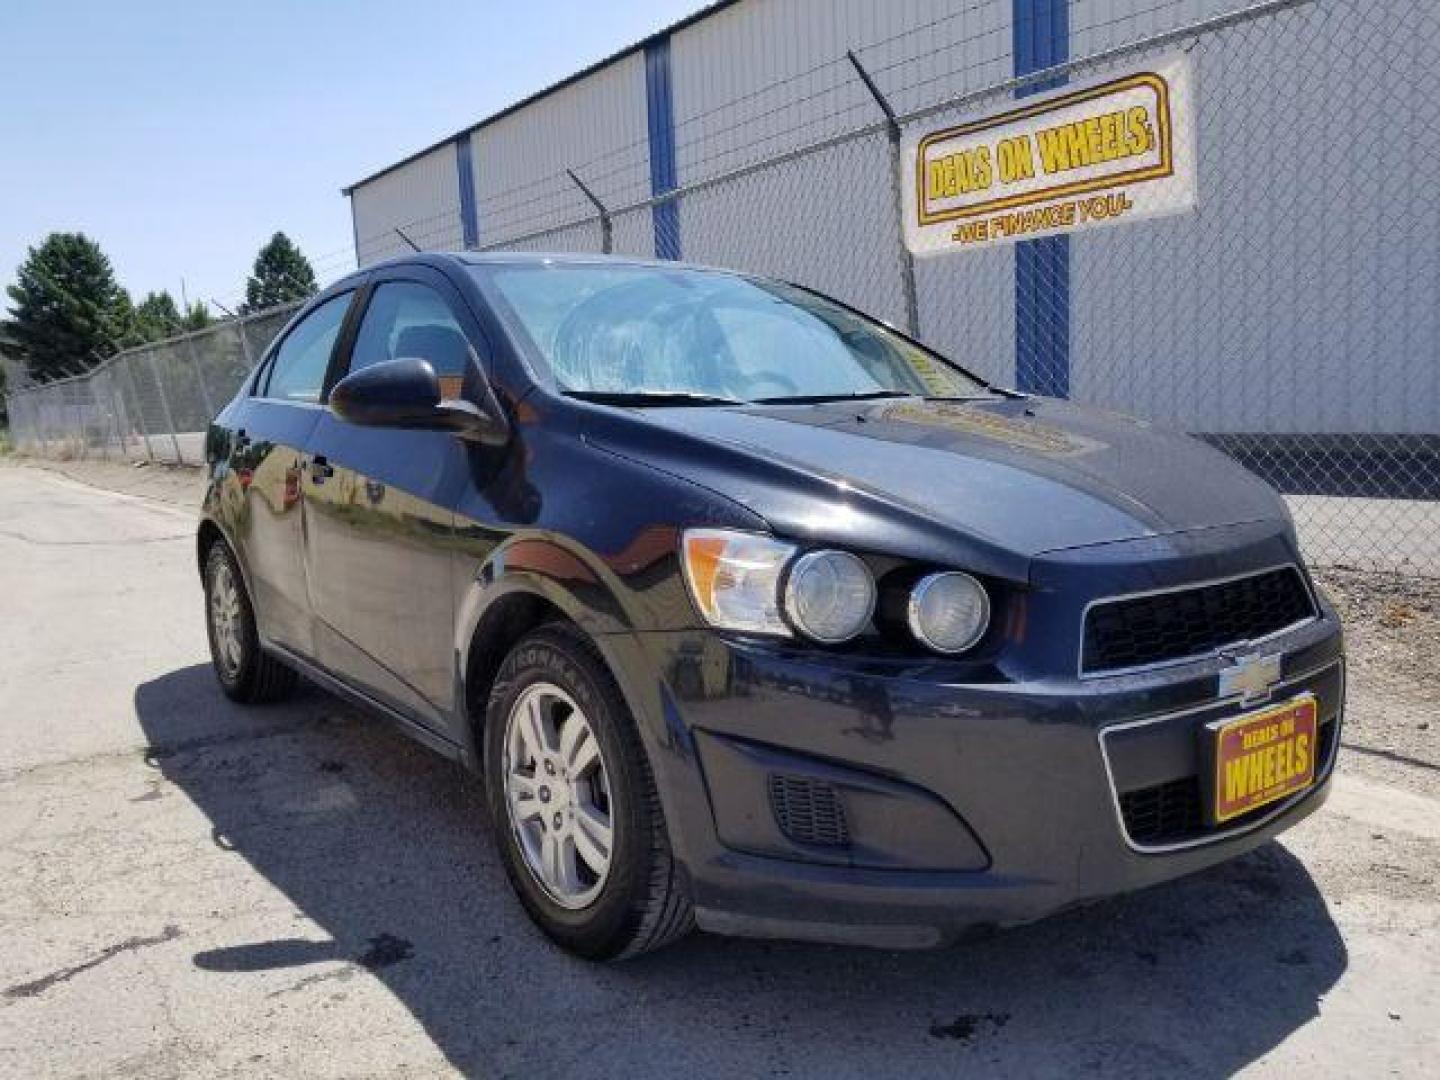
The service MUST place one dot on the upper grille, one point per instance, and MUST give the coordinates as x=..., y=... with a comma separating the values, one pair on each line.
x=809, y=811
x=1191, y=622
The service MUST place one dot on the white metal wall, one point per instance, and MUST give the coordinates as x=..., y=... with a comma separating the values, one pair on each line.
x=596, y=127
x=421, y=197
x=1279, y=305
x=762, y=78
x=1096, y=25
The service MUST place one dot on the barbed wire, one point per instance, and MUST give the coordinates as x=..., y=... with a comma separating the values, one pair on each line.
x=555, y=191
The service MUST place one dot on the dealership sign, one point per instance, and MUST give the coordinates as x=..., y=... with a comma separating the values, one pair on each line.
x=1100, y=153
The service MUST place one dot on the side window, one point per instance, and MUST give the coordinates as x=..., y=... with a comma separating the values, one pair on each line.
x=298, y=370
x=406, y=320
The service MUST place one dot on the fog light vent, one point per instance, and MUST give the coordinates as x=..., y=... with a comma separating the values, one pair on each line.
x=809, y=811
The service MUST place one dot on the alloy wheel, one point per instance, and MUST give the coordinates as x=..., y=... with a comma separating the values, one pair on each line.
x=557, y=793
x=226, y=619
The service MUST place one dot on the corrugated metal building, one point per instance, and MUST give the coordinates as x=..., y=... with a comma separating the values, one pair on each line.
x=1298, y=299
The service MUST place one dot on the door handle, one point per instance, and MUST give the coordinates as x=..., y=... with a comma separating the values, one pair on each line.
x=320, y=470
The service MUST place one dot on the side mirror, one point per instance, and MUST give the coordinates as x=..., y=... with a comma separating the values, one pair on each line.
x=406, y=394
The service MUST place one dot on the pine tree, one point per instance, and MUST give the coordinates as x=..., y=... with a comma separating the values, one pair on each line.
x=281, y=275
x=156, y=317
x=197, y=317
x=66, y=308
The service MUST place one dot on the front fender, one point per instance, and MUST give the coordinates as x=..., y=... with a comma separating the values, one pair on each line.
x=595, y=594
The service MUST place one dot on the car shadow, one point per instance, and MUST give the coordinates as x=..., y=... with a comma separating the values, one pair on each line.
x=386, y=848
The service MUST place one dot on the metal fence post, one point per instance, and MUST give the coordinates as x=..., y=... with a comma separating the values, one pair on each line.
x=116, y=407
x=82, y=429
x=200, y=377
x=907, y=260
x=47, y=420
x=239, y=324
x=607, y=235
x=102, y=430
x=139, y=406
x=165, y=406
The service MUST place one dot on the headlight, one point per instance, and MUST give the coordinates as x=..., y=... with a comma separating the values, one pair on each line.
x=830, y=596
x=734, y=578
x=949, y=612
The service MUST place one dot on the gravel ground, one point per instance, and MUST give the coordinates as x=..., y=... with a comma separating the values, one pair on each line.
x=1392, y=627
x=180, y=485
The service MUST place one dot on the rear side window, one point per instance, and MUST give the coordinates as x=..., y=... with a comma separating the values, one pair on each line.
x=405, y=320
x=298, y=370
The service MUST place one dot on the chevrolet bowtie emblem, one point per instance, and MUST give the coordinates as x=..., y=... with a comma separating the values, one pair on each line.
x=1252, y=677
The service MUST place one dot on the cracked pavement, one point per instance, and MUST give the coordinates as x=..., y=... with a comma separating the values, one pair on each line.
x=190, y=888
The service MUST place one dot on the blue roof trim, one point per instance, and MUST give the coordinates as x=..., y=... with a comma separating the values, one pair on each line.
x=689, y=20
x=1041, y=39
x=660, y=124
x=465, y=177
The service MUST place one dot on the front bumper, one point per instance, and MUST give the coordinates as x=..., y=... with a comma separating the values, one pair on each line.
x=971, y=804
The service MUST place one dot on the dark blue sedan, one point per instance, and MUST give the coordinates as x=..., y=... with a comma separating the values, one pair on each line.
x=755, y=614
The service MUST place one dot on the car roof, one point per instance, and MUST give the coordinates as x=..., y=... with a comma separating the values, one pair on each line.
x=524, y=258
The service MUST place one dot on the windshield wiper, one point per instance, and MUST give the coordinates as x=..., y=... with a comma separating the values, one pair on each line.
x=640, y=398
x=819, y=399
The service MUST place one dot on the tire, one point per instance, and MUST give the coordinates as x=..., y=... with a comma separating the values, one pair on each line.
x=641, y=901
x=245, y=671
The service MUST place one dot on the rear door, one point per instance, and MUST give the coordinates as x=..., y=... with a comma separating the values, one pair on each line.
x=271, y=429
x=379, y=514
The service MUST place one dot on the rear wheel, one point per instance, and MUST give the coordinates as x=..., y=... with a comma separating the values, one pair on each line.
x=245, y=671
x=576, y=816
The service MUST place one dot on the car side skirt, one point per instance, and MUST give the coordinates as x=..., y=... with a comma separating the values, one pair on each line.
x=417, y=731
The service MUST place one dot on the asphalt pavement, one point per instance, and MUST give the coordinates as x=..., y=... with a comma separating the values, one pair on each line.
x=190, y=888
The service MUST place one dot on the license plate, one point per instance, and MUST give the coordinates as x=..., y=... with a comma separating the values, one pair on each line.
x=1264, y=756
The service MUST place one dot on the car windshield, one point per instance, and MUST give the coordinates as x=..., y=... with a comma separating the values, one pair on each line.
x=683, y=335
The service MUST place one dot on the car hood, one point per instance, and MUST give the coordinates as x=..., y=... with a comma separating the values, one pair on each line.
x=1026, y=475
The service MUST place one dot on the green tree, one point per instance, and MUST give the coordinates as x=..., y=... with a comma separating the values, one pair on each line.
x=157, y=316
x=197, y=317
x=65, y=307
x=281, y=274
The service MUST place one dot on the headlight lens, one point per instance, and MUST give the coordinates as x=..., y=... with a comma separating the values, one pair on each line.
x=830, y=596
x=734, y=578
x=949, y=612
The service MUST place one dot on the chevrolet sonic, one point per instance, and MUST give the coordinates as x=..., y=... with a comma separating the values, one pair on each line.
x=755, y=614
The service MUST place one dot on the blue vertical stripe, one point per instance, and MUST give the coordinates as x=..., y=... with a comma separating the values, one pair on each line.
x=660, y=119
x=1042, y=267
x=465, y=175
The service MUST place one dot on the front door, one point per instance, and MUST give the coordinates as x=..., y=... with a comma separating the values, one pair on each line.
x=379, y=512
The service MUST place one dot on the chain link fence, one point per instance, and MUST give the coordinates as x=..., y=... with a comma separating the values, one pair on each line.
x=1292, y=319
x=151, y=403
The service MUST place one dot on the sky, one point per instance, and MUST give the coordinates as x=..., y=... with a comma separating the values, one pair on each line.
x=180, y=136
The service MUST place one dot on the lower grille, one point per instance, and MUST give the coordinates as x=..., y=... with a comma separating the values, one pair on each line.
x=1187, y=622
x=809, y=811
x=1174, y=812
x=1164, y=813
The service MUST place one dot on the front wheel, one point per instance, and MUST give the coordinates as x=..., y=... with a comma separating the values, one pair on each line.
x=576, y=817
x=245, y=671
